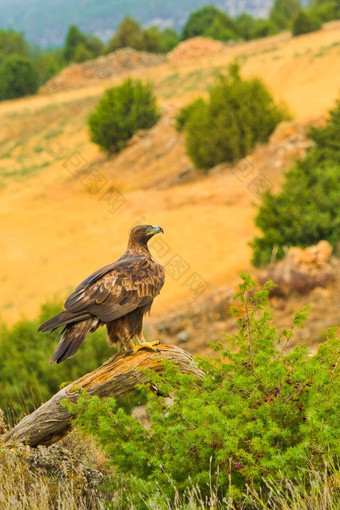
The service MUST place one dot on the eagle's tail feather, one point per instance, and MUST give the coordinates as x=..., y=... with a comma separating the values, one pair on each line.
x=72, y=339
x=63, y=319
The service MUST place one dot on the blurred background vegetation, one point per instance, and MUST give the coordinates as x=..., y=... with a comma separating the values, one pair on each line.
x=37, y=64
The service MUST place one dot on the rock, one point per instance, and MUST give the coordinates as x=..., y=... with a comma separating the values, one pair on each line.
x=183, y=337
x=290, y=137
x=195, y=48
x=302, y=269
x=102, y=68
x=140, y=414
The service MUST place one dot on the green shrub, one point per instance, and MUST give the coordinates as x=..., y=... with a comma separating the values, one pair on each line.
x=307, y=208
x=18, y=77
x=12, y=42
x=239, y=114
x=201, y=21
x=26, y=377
x=259, y=413
x=305, y=22
x=73, y=39
x=283, y=12
x=47, y=63
x=121, y=111
x=128, y=35
x=326, y=139
x=220, y=32
x=131, y=35
x=263, y=28
x=184, y=114
x=82, y=53
x=79, y=46
x=326, y=10
x=303, y=213
x=169, y=41
x=252, y=28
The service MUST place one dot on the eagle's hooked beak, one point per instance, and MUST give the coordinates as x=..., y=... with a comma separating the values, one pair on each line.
x=155, y=230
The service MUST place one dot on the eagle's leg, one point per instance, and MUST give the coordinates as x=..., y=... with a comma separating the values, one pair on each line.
x=143, y=344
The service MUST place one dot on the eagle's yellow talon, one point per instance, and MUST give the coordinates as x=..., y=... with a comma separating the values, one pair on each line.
x=147, y=345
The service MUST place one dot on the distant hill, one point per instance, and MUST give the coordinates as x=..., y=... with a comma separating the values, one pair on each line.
x=45, y=22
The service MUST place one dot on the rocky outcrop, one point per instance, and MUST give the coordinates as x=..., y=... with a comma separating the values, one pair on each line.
x=302, y=269
x=196, y=47
x=92, y=71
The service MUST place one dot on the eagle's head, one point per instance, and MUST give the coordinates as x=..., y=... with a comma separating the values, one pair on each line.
x=142, y=233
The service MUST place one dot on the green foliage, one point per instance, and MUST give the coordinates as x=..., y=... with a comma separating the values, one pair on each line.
x=326, y=138
x=239, y=114
x=184, y=114
x=26, y=377
x=260, y=412
x=121, y=111
x=307, y=208
x=79, y=47
x=74, y=37
x=303, y=213
x=18, y=77
x=245, y=25
x=283, y=12
x=169, y=41
x=152, y=38
x=220, y=31
x=156, y=41
x=264, y=28
x=209, y=22
x=47, y=63
x=94, y=45
x=305, y=22
x=131, y=35
x=326, y=10
x=82, y=53
x=12, y=42
x=128, y=35
x=251, y=28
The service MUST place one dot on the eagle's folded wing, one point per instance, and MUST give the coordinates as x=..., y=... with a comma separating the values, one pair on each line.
x=117, y=289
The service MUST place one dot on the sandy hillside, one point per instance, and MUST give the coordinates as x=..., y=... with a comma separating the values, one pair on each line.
x=58, y=224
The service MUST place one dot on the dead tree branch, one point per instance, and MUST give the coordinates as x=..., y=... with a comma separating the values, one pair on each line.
x=116, y=377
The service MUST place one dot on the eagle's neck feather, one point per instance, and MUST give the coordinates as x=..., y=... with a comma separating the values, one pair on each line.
x=138, y=249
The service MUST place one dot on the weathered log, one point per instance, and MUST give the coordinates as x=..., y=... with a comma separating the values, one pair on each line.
x=116, y=377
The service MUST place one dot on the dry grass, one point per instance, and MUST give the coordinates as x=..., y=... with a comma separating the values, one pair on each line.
x=66, y=477
x=37, y=480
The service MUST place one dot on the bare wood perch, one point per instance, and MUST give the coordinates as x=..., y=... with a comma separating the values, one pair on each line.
x=116, y=377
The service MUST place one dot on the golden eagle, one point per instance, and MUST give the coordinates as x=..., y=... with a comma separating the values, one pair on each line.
x=117, y=295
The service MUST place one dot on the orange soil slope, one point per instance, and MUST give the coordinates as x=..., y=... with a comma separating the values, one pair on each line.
x=57, y=226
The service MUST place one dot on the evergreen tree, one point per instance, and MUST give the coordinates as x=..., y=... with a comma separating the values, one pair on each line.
x=12, y=43
x=305, y=22
x=283, y=12
x=128, y=35
x=169, y=41
x=306, y=210
x=73, y=39
x=201, y=20
x=326, y=10
x=18, y=77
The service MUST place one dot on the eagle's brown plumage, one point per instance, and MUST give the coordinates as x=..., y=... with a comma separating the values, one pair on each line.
x=117, y=295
